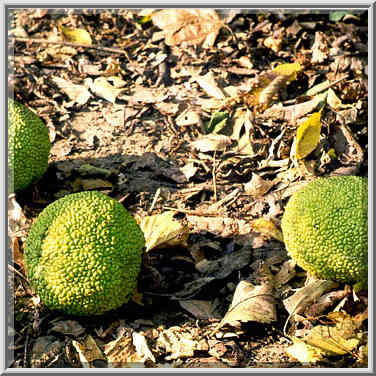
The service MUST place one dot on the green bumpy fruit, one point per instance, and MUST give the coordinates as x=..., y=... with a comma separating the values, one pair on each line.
x=28, y=147
x=83, y=254
x=325, y=228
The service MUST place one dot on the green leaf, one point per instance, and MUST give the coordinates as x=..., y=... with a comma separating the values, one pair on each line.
x=338, y=15
x=217, y=122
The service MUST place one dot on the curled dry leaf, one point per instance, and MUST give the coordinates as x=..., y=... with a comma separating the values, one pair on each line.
x=163, y=230
x=308, y=294
x=212, y=142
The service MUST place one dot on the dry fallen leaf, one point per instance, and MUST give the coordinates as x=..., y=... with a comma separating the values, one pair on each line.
x=305, y=296
x=328, y=340
x=252, y=303
x=335, y=103
x=257, y=186
x=163, y=230
x=193, y=26
x=202, y=309
x=122, y=353
x=212, y=142
x=189, y=170
x=77, y=93
x=103, y=89
x=88, y=351
x=208, y=83
x=180, y=342
x=68, y=327
x=320, y=48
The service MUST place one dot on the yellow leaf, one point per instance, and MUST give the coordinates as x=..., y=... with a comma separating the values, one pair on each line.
x=308, y=135
x=80, y=36
x=303, y=352
x=163, y=229
x=289, y=70
x=267, y=227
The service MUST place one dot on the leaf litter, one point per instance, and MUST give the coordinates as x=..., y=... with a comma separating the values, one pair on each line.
x=188, y=117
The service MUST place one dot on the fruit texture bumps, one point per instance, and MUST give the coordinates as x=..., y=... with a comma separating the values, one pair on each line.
x=28, y=147
x=83, y=254
x=325, y=228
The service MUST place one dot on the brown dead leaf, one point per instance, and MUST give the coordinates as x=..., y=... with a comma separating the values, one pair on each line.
x=252, y=303
x=202, y=309
x=222, y=267
x=77, y=93
x=212, y=142
x=45, y=350
x=188, y=117
x=257, y=186
x=121, y=352
x=308, y=294
x=179, y=342
x=325, y=302
x=103, y=89
x=221, y=226
x=88, y=351
x=296, y=111
x=210, y=86
x=114, y=115
x=142, y=348
x=193, y=26
x=68, y=327
x=320, y=48
x=189, y=170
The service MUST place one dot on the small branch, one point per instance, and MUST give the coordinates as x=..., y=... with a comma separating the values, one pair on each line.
x=63, y=43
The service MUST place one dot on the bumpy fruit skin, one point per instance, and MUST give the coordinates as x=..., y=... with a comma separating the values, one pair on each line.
x=83, y=254
x=28, y=147
x=325, y=228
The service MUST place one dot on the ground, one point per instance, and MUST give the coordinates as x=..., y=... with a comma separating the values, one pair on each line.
x=193, y=113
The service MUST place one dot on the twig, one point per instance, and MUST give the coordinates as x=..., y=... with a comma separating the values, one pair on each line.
x=192, y=212
x=214, y=177
x=156, y=196
x=25, y=351
x=63, y=43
